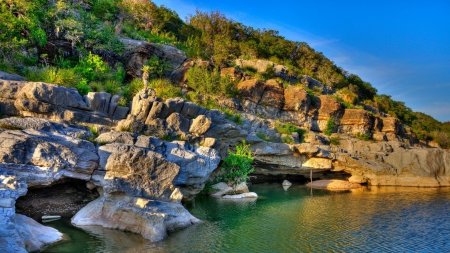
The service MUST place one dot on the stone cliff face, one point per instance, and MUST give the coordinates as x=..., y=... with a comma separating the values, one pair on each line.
x=142, y=178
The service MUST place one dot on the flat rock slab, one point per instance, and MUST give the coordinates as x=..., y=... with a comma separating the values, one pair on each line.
x=333, y=185
x=241, y=196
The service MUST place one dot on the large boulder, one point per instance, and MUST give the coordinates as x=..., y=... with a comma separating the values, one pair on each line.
x=11, y=77
x=273, y=95
x=150, y=218
x=329, y=107
x=196, y=164
x=142, y=51
x=252, y=90
x=42, y=158
x=356, y=121
x=98, y=101
x=296, y=99
x=144, y=174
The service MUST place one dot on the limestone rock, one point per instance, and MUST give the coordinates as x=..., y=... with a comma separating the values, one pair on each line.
x=11, y=77
x=190, y=110
x=34, y=235
x=142, y=174
x=200, y=125
x=10, y=89
x=174, y=105
x=29, y=123
x=19, y=233
x=120, y=112
x=150, y=218
x=241, y=196
x=234, y=73
x=142, y=51
x=391, y=125
x=222, y=188
x=273, y=94
x=52, y=94
x=252, y=90
x=296, y=99
x=41, y=158
x=7, y=107
x=179, y=75
x=98, y=101
x=177, y=124
x=356, y=121
x=286, y=183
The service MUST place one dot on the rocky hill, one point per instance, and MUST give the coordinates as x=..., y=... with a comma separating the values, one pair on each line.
x=93, y=139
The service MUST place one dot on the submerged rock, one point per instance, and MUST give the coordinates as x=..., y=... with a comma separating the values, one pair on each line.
x=333, y=185
x=150, y=218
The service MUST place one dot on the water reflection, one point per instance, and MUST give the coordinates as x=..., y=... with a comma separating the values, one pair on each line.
x=301, y=219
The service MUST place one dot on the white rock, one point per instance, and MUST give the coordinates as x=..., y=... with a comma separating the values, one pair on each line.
x=241, y=196
x=286, y=183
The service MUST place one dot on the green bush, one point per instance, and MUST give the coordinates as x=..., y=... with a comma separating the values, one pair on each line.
x=287, y=139
x=330, y=126
x=93, y=68
x=112, y=86
x=204, y=81
x=335, y=140
x=54, y=75
x=288, y=128
x=83, y=87
x=164, y=89
x=363, y=137
x=236, y=166
x=157, y=68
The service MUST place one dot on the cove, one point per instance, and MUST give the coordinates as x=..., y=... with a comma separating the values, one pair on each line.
x=370, y=219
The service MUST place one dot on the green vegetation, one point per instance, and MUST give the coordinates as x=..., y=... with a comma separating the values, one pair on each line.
x=335, y=140
x=264, y=137
x=165, y=89
x=95, y=134
x=237, y=165
x=363, y=137
x=287, y=139
x=93, y=29
x=330, y=126
x=205, y=82
x=288, y=128
x=208, y=189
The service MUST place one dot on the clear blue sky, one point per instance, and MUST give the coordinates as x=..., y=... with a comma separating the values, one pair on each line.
x=401, y=47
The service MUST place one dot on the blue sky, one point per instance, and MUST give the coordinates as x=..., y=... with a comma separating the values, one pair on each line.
x=401, y=47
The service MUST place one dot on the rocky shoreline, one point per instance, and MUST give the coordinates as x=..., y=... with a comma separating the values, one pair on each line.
x=139, y=179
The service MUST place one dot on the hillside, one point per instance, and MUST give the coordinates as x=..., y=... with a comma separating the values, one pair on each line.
x=80, y=44
x=116, y=114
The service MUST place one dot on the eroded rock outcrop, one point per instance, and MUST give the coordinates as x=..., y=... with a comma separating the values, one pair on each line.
x=19, y=233
x=53, y=102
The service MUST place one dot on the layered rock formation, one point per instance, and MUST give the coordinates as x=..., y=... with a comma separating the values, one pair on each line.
x=19, y=233
x=36, y=99
x=142, y=176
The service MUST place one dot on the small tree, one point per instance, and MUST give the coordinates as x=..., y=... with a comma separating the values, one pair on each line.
x=237, y=166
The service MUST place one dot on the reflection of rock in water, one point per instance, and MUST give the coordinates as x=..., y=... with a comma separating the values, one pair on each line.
x=116, y=240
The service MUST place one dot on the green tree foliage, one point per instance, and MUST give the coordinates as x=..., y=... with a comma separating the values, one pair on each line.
x=20, y=26
x=237, y=165
x=207, y=82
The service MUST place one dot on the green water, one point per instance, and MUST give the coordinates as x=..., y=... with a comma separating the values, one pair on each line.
x=376, y=219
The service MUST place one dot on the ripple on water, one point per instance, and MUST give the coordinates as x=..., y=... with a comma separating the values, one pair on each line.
x=385, y=219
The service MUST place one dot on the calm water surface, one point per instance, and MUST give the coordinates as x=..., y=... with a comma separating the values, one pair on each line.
x=375, y=219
